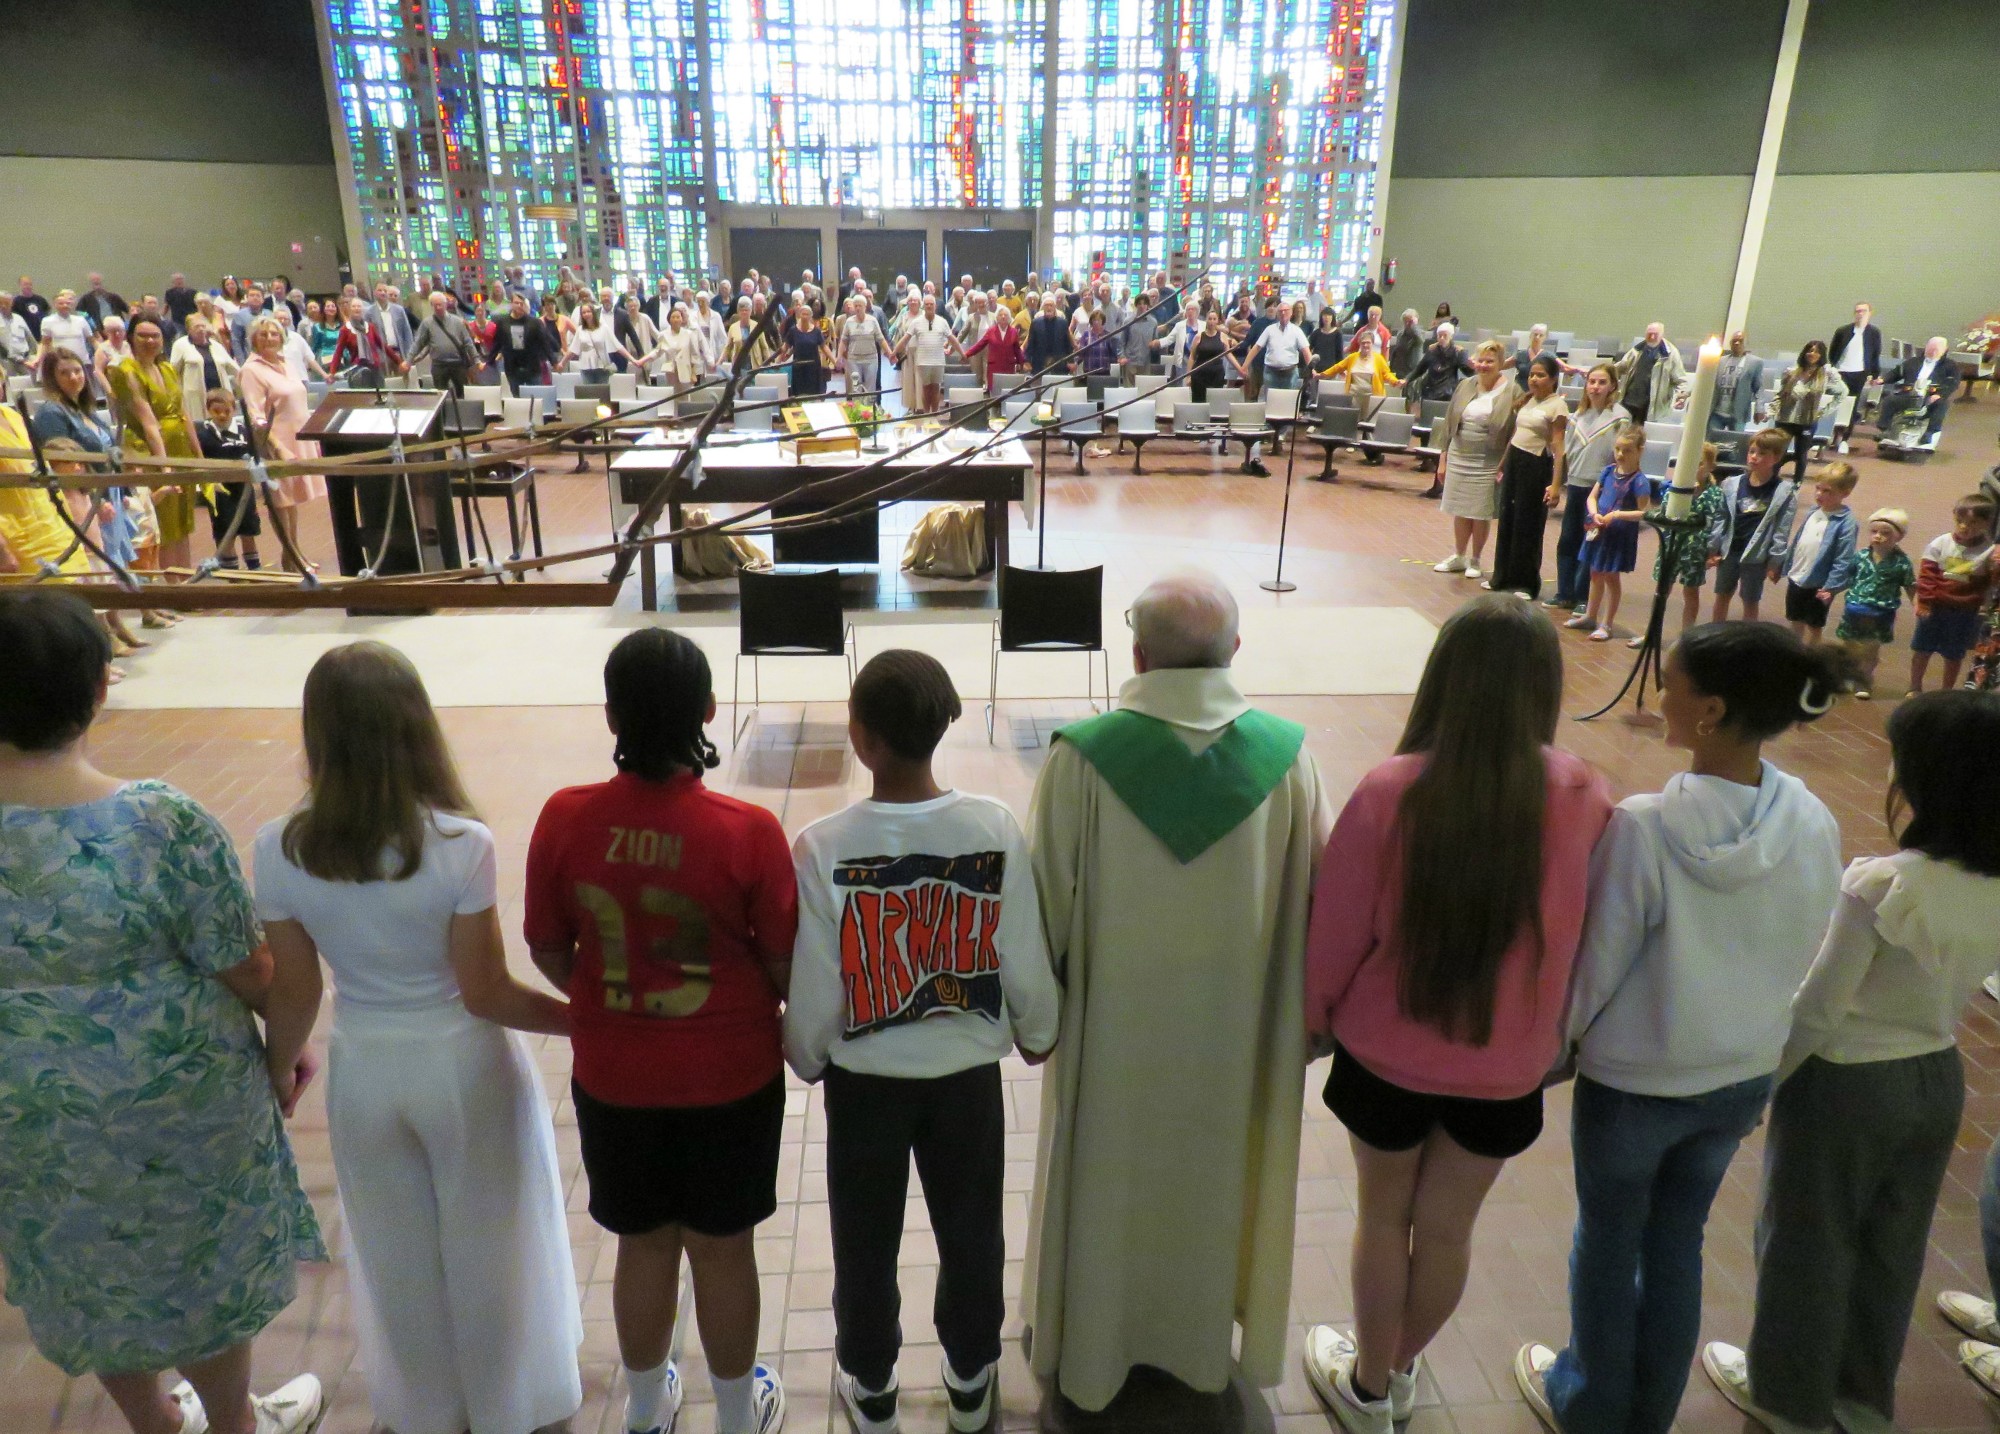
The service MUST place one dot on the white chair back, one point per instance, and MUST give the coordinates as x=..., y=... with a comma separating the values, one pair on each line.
x=1137, y=417
x=1282, y=404
x=625, y=385
x=566, y=384
x=489, y=394
x=578, y=410
x=1246, y=417
x=520, y=412
x=1168, y=401
x=1221, y=400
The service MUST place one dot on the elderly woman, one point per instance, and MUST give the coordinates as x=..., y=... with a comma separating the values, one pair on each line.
x=1536, y=347
x=681, y=352
x=714, y=333
x=807, y=349
x=279, y=408
x=148, y=391
x=639, y=334
x=111, y=347
x=1587, y=443
x=1810, y=390
x=203, y=361
x=1442, y=366
x=1531, y=481
x=151, y=1216
x=1475, y=436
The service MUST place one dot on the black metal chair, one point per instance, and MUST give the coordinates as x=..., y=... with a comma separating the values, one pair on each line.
x=1094, y=387
x=787, y=615
x=1338, y=428
x=1043, y=611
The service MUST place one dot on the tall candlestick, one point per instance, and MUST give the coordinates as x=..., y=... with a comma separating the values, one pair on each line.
x=1694, y=432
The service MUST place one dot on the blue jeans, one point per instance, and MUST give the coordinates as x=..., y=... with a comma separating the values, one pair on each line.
x=1572, y=578
x=1281, y=378
x=1647, y=1169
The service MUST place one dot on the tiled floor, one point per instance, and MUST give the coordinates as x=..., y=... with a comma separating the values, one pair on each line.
x=1367, y=539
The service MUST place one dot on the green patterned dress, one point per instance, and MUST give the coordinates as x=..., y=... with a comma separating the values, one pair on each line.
x=150, y=1209
x=1691, y=565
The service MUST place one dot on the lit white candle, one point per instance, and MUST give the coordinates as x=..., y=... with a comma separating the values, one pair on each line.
x=1694, y=433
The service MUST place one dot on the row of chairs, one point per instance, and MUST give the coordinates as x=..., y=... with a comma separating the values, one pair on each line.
x=801, y=615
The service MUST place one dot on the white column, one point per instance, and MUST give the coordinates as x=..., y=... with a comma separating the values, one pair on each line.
x=1766, y=176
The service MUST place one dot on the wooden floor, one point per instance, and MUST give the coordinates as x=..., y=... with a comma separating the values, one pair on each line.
x=1366, y=539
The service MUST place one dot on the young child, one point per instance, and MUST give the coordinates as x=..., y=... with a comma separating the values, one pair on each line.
x=916, y=882
x=1822, y=553
x=1952, y=582
x=1872, y=1087
x=666, y=913
x=1622, y=497
x=1691, y=571
x=1747, y=543
x=1882, y=575
x=1707, y=902
x=221, y=435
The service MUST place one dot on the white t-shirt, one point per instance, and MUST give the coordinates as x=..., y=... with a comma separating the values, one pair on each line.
x=1285, y=348
x=920, y=949
x=1854, y=358
x=72, y=333
x=386, y=942
x=931, y=334
x=1805, y=551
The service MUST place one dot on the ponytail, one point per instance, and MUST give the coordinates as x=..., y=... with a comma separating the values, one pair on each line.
x=657, y=688
x=1769, y=681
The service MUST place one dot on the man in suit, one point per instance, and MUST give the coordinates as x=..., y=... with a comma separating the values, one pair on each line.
x=388, y=313
x=1048, y=339
x=1927, y=383
x=1856, y=355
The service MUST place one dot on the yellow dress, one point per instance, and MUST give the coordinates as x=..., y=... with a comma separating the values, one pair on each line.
x=160, y=389
x=29, y=523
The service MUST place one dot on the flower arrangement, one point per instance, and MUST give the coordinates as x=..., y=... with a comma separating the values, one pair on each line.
x=865, y=417
x=1982, y=338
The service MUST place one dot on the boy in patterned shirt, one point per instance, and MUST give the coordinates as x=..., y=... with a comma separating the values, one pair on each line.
x=1882, y=575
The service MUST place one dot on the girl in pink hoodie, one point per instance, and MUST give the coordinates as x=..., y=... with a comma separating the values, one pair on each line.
x=1446, y=919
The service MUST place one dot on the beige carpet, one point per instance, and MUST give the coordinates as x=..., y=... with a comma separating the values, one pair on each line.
x=556, y=659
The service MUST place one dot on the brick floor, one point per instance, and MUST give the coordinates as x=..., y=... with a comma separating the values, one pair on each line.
x=1366, y=539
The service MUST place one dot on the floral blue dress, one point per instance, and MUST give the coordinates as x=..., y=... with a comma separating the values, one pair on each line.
x=150, y=1210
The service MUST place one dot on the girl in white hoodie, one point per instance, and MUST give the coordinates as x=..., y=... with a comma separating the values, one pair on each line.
x=1707, y=901
x=1871, y=1089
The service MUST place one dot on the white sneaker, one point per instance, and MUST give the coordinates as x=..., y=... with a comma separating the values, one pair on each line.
x=1982, y=1362
x=194, y=1418
x=970, y=1407
x=293, y=1408
x=1472, y=572
x=1402, y=1383
x=767, y=1399
x=1532, y=1363
x=870, y=1413
x=1843, y=446
x=1452, y=564
x=671, y=1407
x=1329, y=1361
x=1729, y=1368
x=1969, y=1312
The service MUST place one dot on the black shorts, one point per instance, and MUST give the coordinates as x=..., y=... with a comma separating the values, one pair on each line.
x=1391, y=1118
x=710, y=1168
x=222, y=508
x=1804, y=605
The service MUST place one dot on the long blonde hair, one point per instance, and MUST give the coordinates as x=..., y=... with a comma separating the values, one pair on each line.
x=377, y=767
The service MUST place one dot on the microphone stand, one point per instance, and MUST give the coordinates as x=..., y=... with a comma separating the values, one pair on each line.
x=1276, y=583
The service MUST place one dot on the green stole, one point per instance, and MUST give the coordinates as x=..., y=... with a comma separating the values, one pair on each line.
x=1189, y=800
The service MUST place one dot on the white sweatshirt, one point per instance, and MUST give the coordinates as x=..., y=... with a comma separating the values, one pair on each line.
x=1707, y=903
x=920, y=949
x=1910, y=942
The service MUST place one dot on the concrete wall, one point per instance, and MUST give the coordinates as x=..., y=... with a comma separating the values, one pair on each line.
x=137, y=220
x=1594, y=255
x=1920, y=247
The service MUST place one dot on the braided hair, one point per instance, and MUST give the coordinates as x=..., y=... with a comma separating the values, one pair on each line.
x=657, y=688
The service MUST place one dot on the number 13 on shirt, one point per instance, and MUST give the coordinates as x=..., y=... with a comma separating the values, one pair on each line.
x=671, y=933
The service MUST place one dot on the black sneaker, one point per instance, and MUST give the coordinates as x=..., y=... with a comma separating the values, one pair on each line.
x=871, y=1413
x=1256, y=466
x=971, y=1408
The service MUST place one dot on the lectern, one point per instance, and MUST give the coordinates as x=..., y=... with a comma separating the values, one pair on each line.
x=389, y=524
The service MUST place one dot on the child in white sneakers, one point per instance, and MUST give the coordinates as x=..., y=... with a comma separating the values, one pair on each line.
x=919, y=964
x=1872, y=1088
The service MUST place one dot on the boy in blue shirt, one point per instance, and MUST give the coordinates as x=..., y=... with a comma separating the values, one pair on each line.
x=1822, y=556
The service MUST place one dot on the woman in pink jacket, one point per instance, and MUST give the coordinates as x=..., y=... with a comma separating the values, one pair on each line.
x=1446, y=919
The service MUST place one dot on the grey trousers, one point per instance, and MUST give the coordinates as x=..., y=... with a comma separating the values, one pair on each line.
x=1853, y=1163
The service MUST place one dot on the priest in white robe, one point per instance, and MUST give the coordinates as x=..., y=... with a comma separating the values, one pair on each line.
x=1175, y=840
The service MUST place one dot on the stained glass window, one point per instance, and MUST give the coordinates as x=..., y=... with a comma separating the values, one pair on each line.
x=1240, y=133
